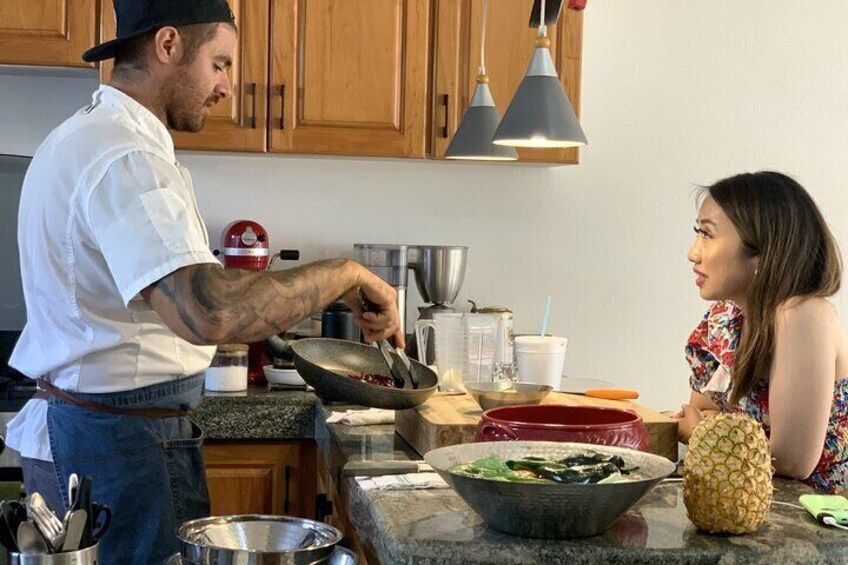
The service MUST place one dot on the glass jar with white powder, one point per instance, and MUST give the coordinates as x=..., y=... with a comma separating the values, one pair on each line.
x=228, y=371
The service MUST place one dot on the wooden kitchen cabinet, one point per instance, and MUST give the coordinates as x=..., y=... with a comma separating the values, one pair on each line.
x=262, y=478
x=331, y=509
x=373, y=77
x=509, y=48
x=46, y=32
x=238, y=123
x=349, y=77
x=346, y=78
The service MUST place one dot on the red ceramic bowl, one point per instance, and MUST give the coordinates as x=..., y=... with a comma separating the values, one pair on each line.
x=555, y=422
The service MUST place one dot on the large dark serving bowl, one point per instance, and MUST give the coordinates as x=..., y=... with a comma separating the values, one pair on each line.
x=326, y=363
x=547, y=510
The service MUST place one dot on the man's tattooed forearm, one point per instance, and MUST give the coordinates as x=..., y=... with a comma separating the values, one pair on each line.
x=246, y=306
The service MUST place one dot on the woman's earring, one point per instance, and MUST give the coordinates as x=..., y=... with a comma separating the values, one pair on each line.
x=756, y=271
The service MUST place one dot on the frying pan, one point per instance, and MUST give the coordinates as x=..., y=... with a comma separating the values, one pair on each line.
x=325, y=363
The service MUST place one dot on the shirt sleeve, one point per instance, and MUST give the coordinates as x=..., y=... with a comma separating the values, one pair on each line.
x=711, y=352
x=144, y=219
x=701, y=361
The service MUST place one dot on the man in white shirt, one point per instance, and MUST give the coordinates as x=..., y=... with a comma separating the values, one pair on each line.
x=125, y=301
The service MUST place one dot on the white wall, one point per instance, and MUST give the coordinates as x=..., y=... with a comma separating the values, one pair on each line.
x=674, y=94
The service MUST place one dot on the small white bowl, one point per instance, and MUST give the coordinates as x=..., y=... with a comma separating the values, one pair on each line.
x=288, y=377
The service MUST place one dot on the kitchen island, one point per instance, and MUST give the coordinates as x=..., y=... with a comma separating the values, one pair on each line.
x=435, y=527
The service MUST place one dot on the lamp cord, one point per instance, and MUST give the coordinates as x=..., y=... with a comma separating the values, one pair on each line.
x=482, y=70
x=543, y=29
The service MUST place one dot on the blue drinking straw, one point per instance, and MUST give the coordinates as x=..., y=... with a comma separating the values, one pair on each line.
x=546, y=317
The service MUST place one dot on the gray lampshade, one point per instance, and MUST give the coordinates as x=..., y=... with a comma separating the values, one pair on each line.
x=540, y=114
x=473, y=137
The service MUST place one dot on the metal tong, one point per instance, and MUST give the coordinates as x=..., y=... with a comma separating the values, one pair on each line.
x=400, y=368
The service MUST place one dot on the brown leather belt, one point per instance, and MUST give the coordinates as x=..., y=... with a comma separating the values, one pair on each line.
x=48, y=390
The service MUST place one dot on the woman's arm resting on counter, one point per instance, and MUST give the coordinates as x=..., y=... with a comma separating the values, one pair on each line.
x=802, y=383
x=691, y=414
x=206, y=304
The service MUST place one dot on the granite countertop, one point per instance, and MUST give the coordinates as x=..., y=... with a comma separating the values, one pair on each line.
x=256, y=414
x=435, y=527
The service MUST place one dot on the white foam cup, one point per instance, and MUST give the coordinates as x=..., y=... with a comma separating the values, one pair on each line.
x=540, y=359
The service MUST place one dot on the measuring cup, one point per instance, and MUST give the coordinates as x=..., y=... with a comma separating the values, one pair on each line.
x=465, y=347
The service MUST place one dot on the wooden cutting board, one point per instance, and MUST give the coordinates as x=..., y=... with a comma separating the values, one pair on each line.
x=451, y=419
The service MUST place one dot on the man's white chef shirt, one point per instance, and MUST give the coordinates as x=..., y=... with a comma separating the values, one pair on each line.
x=105, y=211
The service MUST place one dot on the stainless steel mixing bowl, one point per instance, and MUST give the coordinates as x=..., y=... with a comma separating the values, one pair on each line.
x=547, y=510
x=255, y=539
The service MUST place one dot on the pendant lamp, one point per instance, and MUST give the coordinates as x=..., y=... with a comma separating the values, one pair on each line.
x=540, y=114
x=473, y=138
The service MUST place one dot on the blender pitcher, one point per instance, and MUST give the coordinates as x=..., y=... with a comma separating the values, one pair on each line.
x=465, y=347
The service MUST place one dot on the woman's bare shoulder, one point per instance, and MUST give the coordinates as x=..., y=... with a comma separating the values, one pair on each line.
x=807, y=311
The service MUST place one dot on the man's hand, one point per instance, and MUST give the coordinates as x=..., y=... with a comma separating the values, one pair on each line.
x=376, y=325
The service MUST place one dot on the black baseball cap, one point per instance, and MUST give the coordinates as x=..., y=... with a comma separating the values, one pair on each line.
x=135, y=17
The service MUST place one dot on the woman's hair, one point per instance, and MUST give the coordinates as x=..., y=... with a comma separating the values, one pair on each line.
x=780, y=224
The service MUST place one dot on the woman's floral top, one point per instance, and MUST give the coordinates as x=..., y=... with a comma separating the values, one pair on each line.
x=711, y=353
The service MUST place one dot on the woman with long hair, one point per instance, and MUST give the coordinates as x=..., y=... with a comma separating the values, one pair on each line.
x=771, y=345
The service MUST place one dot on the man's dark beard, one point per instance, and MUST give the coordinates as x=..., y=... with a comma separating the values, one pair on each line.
x=180, y=119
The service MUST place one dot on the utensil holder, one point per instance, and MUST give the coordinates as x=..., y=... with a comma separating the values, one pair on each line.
x=87, y=556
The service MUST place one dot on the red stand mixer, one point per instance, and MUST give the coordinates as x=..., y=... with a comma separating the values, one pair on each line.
x=245, y=245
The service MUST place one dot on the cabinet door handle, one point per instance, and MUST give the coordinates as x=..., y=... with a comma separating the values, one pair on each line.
x=251, y=91
x=446, y=103
x=288, y=488
x=282, y=106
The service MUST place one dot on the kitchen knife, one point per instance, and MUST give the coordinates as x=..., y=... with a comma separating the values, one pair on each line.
x=595, y=388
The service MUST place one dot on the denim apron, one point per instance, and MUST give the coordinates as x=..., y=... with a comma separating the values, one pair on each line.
x=149, y=471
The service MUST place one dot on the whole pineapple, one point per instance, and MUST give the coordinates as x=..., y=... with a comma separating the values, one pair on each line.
x=727, y=475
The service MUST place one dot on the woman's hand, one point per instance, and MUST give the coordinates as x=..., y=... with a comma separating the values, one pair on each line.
x=687, y=418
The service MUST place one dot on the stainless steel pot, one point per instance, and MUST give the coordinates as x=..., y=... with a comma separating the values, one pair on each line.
x=254, y=539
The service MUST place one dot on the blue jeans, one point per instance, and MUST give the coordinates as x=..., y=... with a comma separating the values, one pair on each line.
x=149, y=471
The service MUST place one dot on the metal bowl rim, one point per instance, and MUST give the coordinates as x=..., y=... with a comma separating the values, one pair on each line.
x=237, y=518
x=541, y=388
x=575, y=445
x=522, y=424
